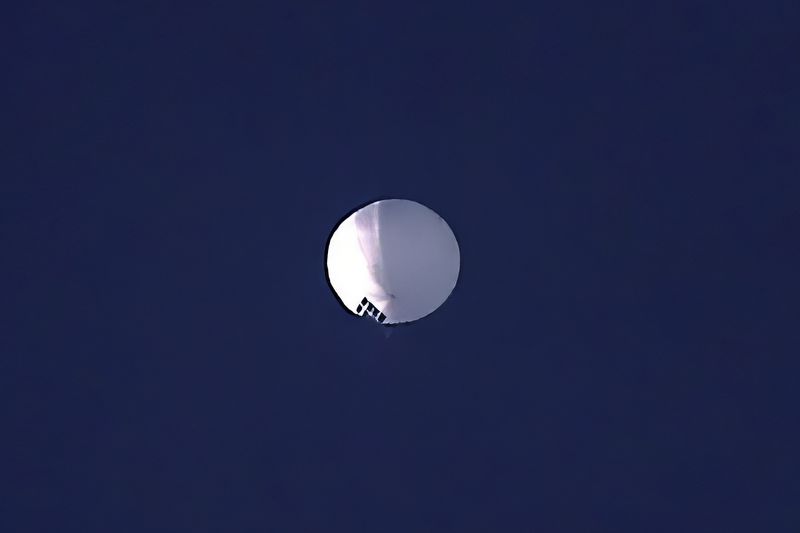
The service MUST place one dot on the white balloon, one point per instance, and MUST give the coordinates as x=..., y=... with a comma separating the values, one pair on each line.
x=395, y=260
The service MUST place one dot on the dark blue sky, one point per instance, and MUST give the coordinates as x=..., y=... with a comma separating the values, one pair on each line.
x=620, y=354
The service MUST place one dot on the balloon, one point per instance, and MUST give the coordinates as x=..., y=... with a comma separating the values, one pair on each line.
x=394, y=260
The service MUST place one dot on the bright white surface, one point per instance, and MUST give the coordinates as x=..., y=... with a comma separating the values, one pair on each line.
x=399, y=254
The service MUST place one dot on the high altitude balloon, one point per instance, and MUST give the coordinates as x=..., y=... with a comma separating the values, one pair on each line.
x=394, y=260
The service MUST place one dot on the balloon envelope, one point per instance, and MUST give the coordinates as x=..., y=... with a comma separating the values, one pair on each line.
x=395, y=260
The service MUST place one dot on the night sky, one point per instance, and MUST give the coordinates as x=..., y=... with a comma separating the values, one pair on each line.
x=620, y=353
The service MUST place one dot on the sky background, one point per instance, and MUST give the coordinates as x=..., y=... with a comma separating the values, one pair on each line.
x=620, y=353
